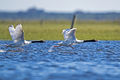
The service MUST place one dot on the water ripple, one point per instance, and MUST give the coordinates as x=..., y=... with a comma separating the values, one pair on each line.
x=93, y=61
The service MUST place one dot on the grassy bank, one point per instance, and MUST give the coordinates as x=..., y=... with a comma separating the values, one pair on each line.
x=51, y=30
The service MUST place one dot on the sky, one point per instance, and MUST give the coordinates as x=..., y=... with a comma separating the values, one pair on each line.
x=61, y=5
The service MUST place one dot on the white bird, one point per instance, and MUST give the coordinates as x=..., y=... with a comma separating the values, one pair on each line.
x=70, y=38
x=17, y=35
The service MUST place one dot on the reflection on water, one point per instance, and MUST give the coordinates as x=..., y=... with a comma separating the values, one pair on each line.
x=87, y=61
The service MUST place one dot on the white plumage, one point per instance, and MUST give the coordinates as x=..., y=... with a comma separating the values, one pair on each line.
x=69, y=37
x=17, y=34
x=69, y=34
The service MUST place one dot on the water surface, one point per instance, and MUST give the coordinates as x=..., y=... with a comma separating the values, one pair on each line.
x=87, y=61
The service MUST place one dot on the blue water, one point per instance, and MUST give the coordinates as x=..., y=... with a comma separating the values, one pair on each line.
x=87, y=61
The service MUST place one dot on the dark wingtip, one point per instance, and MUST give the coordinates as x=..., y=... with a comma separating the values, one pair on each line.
x=92, y=40
x=39, y=41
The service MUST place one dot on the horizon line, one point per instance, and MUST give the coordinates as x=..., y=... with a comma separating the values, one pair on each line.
x=86, y=11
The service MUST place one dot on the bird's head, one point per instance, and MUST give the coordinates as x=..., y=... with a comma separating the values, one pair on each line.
x=69, y=31
x=69, y=34
x=72, y=31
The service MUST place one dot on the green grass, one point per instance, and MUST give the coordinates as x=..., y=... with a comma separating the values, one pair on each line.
x=51, y=30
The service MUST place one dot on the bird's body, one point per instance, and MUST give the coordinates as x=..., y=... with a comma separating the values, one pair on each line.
x=17, y=35
x=70, y=38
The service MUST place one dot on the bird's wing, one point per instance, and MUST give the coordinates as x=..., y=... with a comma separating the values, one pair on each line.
x=79, y=41
x=69, y=34
x=65, y=33
x=12, y=32
x=19, y=34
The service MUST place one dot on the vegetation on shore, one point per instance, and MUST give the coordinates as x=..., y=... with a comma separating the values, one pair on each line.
x=52, y=30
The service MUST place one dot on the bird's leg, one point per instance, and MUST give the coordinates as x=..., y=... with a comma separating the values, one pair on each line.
x=71, y=47
x=56, y=46
x=19, y=49
x=52, y=47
